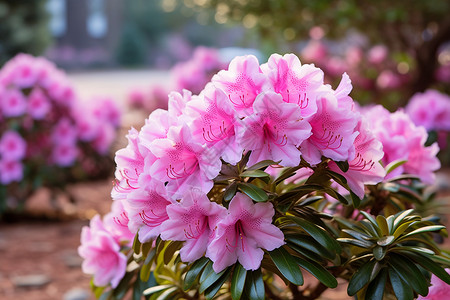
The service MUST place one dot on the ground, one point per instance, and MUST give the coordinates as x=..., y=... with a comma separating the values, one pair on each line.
x=49, y=248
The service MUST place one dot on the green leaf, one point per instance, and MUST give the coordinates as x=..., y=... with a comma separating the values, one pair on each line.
x=343, y=165
x=209, y=277
x=338, y=178
x=379, y=252
x=372, y=221
x=106, y=295
x=167, y=294
x=287, y=265
x=136, y=244
x=156, y=289
x=360, y=278
x=427, y=263
x=238, y=281
x=355, y=242
x=263, y=164
x=211, y=291
x=285, y=174
x=394, y=165
x=140, y=286
x=310, y=244
x=401, y=289
x=254, y=173
x=357, y=235
x=230, y=191
x=382, y=223
x=194, y=271
x=254, y=285
x=170, y=249
x=409, y=273
x=254, y=192
x=317, y=233
x=355, y=199
x=386, y=240
x=317, y=271
x=398, y=220
x=375, y=290
x=422, y=230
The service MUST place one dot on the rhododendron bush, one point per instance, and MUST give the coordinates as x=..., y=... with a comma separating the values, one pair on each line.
x=266, y=174
x=48, y=137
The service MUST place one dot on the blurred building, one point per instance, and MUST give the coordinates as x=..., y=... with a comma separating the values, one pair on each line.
x=84, y=31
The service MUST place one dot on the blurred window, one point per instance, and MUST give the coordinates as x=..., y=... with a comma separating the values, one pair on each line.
x=58, y=18
x=96, y=23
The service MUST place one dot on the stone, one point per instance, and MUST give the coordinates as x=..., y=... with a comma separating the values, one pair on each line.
x=77, y=294
x=36, y=280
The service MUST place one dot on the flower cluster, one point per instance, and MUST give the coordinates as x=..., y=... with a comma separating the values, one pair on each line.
x=208, y=177
x=403, y=140
x=191, y=75
x=43, y=123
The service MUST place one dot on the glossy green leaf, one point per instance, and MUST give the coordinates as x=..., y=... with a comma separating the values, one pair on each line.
x=422, y=230
x=168, y=294
x=156, y=289
x=254, y=285
x=287, y=265
x=254, y=192
x=238, y=281
x=263, y=164
x=379, y=252
x=355, y=242
x=375, y=290
x=211, y=291
x=317, y=233
x=209, y=277
x=254, y=173
x=382, y=223
x=285, y=174
x=360, y=278
x=398, y=220
x=310, y=244
x=386, y=240
x=317, y=271
x=401, y=289
x=409, y=273
x=338, y=178
x=194, y=271
x=136, y=244
x=230, y=191
x=427, y=263
x=357, y=235
x=394, y=165
x=170, y=250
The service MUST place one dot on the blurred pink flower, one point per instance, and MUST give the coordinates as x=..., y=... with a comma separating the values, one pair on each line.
x=430, y=109
x=12, y=146
x=64, y=155
x=13, y=103
x=38, y=104
x=377, y=54
x=10, y=170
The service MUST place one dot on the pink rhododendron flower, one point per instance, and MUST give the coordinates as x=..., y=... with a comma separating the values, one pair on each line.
x=213, y=123
x=439, y=290
x=193, y=220
x=365, y=167
x=242, y=82
x=116, y=222
x=332, y=131
x=13, y=103
x=10, y=170
x=402, y=140
x=388, y=80
x=12, y=146
x=105, y=137
x=146, y=207
x=243, y=233
x=183, y=163
x=101, y=254
x=274, y=130
x=130, y=164
x=38, y=104
x=297, y=83
x=430, y=109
